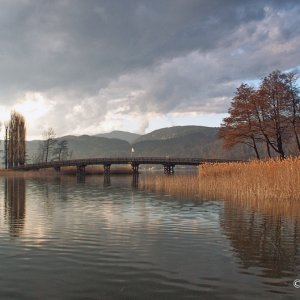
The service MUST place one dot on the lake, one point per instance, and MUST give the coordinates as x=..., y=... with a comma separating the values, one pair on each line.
x=103, y=238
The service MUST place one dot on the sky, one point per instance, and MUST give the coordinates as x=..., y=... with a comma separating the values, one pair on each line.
x=88, y=67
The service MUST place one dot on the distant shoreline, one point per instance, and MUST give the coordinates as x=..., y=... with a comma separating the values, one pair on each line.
x=90, y=170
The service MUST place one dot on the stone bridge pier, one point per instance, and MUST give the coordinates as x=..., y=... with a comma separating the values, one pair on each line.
x=135, y=168
x=169, y=169
x=80, y=170
x=57, y=168
x=106, y=169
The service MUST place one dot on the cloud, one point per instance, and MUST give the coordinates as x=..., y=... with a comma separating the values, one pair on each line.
x=103, y=64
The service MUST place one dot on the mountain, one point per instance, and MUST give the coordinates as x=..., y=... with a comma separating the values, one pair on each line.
x=180, y=141
x=121, y=135
x=86, y=146
x=187, y=141
x=177, y=132
x=92, y=146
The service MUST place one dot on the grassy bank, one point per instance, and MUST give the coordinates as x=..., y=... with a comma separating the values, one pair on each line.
x=272, y=185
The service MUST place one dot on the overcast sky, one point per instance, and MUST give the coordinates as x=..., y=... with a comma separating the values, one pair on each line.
x=91, y=66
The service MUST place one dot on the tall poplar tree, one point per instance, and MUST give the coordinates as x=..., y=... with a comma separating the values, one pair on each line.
x=15, y=140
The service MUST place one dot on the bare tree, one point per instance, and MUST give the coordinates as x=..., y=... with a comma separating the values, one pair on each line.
x=60, y=152
x=35, y=157
x=70, y=154
x=47, y=145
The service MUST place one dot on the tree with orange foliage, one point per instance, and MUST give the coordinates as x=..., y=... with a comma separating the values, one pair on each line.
x=270, y=114
x=240, y=126
x=274, y=95
x=293, y=105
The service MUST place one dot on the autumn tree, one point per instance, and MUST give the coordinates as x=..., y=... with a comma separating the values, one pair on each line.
x=293, y=105
x=240, y=126
x=259, y=110
x=269, y=115
x=274, y=94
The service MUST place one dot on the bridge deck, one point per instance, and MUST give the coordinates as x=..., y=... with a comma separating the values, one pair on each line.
x=120, y=161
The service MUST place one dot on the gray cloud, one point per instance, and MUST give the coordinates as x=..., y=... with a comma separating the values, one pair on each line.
x=93, y=58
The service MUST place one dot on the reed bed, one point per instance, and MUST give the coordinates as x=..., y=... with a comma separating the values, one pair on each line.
x=272, y=185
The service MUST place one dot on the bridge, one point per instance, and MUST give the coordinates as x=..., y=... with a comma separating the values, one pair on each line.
x=168, y=163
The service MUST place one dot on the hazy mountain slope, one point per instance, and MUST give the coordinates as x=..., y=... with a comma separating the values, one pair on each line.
x=121, y=135
x=88, y=146
x=199, y=144
x=32, y=148
x=178, y=131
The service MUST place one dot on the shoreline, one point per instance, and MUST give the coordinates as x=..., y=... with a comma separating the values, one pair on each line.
x=90, y=170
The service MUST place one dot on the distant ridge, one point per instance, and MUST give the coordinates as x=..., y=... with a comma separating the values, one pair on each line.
x=86, y=146
x=121, y=135
x=176, y=132
x=177, y=141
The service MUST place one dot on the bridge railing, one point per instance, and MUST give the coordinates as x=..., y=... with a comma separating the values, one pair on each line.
x=120, y=160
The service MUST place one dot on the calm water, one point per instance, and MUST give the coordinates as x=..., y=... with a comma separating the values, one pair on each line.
x=97, y=239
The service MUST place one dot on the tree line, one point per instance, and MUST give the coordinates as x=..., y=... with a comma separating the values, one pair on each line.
x=267, y=117
x=50, y=148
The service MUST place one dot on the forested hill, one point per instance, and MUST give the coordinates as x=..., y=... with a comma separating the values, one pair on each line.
x=187, y=141
x=182, y=141
x=121, y=135
x=175, y=132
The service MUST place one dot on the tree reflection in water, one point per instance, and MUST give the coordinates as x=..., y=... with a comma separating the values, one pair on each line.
x=14, y=195
x=270, y=242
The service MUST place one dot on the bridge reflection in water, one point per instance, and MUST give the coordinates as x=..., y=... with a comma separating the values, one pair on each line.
x=107, y=180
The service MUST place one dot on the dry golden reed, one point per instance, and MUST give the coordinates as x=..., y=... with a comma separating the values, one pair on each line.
x=271, y=184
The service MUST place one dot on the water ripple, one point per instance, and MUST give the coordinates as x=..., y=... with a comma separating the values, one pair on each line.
x=85, y=241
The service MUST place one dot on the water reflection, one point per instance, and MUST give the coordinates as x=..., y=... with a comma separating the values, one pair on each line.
x=106, y=180
x=260, y=240
x=14, y=199
x=80, y=179
x=135, y=180
x=121, y=242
